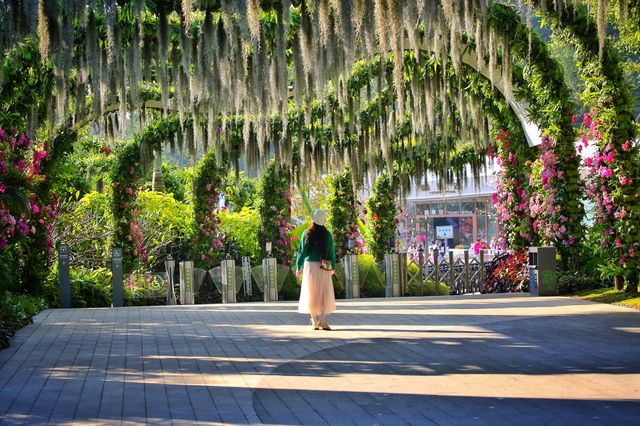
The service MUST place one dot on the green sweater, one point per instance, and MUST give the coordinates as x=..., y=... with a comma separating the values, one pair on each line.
x=311, y=254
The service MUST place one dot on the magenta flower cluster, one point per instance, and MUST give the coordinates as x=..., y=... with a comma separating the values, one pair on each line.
x=511, y=199
x=610, y=186
x=20, y=168
x=549, y=222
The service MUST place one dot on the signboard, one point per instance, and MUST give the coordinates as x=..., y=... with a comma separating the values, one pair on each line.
x=445, y=231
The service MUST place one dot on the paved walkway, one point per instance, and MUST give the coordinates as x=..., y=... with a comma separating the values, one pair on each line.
x=509, y=359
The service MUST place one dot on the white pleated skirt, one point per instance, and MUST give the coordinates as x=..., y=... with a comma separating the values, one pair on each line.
x=316, y=294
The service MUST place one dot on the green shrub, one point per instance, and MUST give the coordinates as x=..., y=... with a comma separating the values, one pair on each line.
x=373, y=285
x=16, y=311
x=570, y=282
x=291, y=287
x=241, y=230
x=90, y=288
x=142, y=289
x=428, y=289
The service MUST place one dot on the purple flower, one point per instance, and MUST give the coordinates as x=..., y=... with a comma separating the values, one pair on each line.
x=23, y=227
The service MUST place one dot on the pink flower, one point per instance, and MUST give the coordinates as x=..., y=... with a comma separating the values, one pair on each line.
x=35, y=209
x=605, y=172
x=574, y=118
x=586, y=121
x=2, y=135
x=3, y=187
x=588, y=161
x=626, y=145
x=625, y=180
x=623, y=260
x=632, y=252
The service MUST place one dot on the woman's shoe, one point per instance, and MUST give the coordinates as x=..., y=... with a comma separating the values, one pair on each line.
x=325, y=326
x=316, y=326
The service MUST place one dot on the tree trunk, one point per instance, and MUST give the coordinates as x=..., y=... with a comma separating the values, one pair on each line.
x=618, y=282
x=632, y=285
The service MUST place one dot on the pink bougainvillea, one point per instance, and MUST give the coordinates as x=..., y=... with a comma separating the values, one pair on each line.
x=611, y=188
x=511, y=199
x=20, y=168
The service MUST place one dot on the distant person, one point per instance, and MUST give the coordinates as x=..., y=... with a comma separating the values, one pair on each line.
x=476, y=247
x=316, y=262
x=434, y=250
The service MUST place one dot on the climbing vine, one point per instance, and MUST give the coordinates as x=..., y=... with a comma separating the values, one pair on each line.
x=382, y=216
x=208, y=241
x=342, y=213
x=610, y=123
x=275, y=212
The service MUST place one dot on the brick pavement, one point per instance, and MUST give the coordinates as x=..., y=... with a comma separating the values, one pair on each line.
x=505, y=359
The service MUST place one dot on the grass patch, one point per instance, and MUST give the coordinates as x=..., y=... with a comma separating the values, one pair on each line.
x=612, y=296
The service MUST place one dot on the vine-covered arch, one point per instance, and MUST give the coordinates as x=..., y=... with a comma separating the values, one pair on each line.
x=217, y=70
x=132, y=160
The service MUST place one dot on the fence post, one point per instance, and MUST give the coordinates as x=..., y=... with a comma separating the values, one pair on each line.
x=117, y=298
x=452, y=272
x=467, y=280
x=481, y=275
x=421, y=271
x=63, y=276
x=437, y=271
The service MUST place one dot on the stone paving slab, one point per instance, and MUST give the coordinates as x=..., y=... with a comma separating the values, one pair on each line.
x=490, y=359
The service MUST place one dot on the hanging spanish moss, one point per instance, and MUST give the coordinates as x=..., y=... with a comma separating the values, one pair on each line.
x=43, y=31
x=240, y=61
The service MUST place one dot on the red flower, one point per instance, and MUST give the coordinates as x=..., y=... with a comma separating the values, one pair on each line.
x=375, y=217
x=106, y=149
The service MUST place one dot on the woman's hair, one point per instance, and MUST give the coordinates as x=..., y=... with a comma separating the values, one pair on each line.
x=316, y=238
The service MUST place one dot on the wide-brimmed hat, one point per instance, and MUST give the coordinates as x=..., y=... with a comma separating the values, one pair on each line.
x=319, y=217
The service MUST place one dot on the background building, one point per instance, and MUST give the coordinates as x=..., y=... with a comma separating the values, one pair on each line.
x=455, y=216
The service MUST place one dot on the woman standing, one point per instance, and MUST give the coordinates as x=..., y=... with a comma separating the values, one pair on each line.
x=317, y=256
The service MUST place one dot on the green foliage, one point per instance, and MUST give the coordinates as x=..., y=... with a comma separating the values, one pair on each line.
x=240, y=192
x=142, y=289
x=9, y=274
x=570, y=282
x=241, y=228
x=291, y=287
x=86, y=226
x=16, y=311
x=275, y=212
x=373, y=286
x=26, y=85
x=163, y=222
x=176, y=181
x=207, y=245
x=428, y=288
x=90, y=288
x=342, y=212
x=382, y=211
